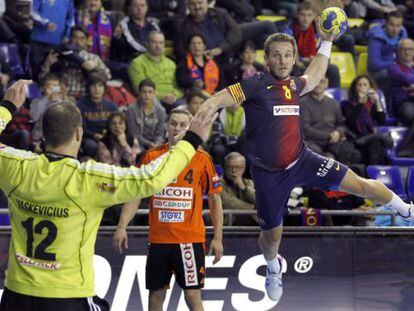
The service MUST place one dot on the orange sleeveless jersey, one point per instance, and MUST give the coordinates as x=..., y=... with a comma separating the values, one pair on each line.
x=175, y=214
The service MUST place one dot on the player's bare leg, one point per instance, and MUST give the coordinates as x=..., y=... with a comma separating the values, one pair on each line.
x=156, y=299
x=377, y=192
x=193, y=299
x=269, y=241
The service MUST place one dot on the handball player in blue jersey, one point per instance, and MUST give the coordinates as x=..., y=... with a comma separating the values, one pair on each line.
x=278, y=158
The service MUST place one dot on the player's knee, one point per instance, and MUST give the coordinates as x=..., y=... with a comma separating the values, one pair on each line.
x=156, y=299
x=192, y=297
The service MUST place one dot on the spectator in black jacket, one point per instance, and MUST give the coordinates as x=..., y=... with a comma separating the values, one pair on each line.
x=220, y=30
x=130, y=37
x=167, y=12
x=197, y=70
x=246, y=66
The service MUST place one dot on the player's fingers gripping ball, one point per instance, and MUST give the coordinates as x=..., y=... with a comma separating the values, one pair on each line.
x=334, y=21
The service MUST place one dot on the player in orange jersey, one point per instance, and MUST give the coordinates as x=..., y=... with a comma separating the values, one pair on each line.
x=176, y=226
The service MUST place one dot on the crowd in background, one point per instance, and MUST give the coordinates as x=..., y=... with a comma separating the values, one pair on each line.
x=127, y=63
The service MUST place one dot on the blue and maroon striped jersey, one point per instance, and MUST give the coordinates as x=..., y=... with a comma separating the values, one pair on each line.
x=273, y=126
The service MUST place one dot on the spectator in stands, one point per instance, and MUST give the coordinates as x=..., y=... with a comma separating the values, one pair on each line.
x=17, y=132
x=238, y=192
x=246, y=65
x=146, y=119
x=99, y=27
x=130, y=37
x=401, y=79
x=409, y=18
x=198, y=70
x=52, y=23
x=323, y=125
x=52, y=94
x=19, y=18
x=279, y=7
x=95, y=110
x=220, y=30
x=382, y=45
x=377, y=9
x=75, y=63
x=227, y=133
x=6, y=75
x=154, y=65
x=303, y=29
x=364, y=110
x=195, y=98
x=167, y=12
x=117, y=147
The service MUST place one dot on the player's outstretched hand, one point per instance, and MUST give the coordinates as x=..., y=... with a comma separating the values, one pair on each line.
x=16, y=93
x=324, y=36
x=120, y=239
x=216, y=247
x=201, y=122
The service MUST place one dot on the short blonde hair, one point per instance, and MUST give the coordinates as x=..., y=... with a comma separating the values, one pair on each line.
x=280, y=37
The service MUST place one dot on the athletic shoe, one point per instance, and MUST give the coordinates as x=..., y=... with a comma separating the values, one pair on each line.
x=273, y=284
x=410, y=216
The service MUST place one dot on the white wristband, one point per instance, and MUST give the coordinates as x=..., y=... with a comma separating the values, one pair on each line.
x=325, y=48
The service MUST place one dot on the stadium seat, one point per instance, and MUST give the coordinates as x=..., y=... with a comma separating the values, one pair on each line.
x=260, y=56
x=336, y=93
x=346, y=65
x=410, y=183
x=362, y=63
x=355, y=22
x=390, y=176
x=10, y=53
x=397, y=134
x=361, y=48
x=271, y=18
x=169, y=51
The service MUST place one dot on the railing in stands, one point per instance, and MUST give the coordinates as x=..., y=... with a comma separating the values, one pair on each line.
x=231, y=213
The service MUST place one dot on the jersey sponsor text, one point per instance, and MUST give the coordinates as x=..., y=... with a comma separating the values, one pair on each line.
x=27, y=261
x=168, y=216
x=286, y=110
x=172, y=204
x=175, y=193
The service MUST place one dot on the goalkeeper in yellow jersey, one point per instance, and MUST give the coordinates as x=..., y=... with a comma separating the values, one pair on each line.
x=56, y=205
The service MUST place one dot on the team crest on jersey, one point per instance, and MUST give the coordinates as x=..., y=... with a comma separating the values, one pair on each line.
x=106, y=187
x=292, y=85
x=286, y=110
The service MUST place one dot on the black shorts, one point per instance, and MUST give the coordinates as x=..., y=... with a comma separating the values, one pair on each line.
x=185, y=260
x=12, y=301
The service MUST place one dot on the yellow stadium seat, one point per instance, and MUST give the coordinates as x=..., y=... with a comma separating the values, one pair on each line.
x=260, y=56
x=169, y=51
x=361, y=48
x=362, y=63
x=346, y=65
x=272, y=18
x=169, y=43
x=355, y=22
x=335, y=48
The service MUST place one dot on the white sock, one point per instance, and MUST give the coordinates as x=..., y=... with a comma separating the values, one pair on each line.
x=398, y=205
x=273, y=265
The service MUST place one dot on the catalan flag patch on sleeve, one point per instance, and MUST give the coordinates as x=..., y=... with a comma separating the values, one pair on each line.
x=237, y=93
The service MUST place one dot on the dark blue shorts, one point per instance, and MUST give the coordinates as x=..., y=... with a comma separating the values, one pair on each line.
x=273, y=188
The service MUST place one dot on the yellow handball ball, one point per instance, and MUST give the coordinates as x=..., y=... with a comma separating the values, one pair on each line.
x=334, y=21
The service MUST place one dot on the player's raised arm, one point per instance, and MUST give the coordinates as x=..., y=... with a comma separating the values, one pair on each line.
x=222, y=99
x=317, y=68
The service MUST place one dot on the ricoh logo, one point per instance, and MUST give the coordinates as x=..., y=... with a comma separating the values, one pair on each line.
x=190, y=271
x=286, y=110
x=175, y=193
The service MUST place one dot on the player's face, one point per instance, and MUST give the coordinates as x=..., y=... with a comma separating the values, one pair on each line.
x=393, y=26
x=177, y=124
x=156, y=44
x=117, y=126
x=138, y=9
x=280, y=59
x=197, y=47
x=195, y=104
